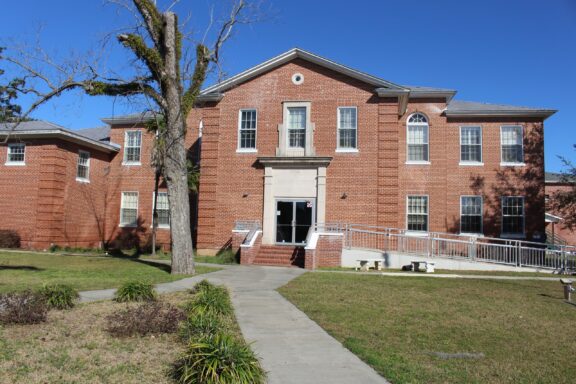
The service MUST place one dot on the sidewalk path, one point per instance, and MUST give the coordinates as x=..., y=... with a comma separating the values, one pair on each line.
x=291, y=347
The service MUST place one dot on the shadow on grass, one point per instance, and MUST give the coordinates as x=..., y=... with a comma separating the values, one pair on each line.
x=20, y=268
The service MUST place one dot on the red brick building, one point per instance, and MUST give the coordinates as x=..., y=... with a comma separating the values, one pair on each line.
x=555, y=226
x=300, y=139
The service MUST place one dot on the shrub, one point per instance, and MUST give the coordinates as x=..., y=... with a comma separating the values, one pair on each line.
x=9, y=239
x=210, y=299
x=135, y=291
x=220, y=359
x=227, y=257
x=59, y=296
x=54, y=248
x=22, y=308
x=146, y=318
x=199, y=326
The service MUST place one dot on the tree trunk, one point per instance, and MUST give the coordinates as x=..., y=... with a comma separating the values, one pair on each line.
x=175, y=167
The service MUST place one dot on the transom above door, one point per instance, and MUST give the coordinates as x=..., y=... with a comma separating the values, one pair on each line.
x=293, y=220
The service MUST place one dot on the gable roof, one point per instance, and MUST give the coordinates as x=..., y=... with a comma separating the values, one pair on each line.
x=291, y=55
x=98, y=133
x=472, y=109
x=46, y=129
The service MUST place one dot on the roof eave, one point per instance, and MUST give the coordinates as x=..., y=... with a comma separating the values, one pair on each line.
x=66, y=135
x=544, y=113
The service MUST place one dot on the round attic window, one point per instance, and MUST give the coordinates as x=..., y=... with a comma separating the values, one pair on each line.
x=297, y=78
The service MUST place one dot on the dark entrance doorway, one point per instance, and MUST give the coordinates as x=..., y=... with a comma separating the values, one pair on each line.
x=293, y=220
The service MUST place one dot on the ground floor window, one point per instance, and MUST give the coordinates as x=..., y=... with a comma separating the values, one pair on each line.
x=471, y=214
x=417, y=213
x=163, y=210
x=129, y=209
x=513, y=215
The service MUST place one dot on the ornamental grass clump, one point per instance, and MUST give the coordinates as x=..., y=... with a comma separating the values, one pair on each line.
x=22, y=308
x=59, y=296
x=146, y=318
x=218, y=359
x=210, y=300
x=135, y=291
x=197, y=326
x=215, y=352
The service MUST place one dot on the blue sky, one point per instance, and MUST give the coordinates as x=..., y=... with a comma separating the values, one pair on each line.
x=520, y=52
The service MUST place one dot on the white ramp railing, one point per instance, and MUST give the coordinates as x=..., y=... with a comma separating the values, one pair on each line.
x=435, y=244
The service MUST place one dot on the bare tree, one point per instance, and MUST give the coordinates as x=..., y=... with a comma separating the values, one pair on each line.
x=170, y=81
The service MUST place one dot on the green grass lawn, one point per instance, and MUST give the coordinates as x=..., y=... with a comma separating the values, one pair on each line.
x=524, y=329
x=452, y=272
x=19, y=271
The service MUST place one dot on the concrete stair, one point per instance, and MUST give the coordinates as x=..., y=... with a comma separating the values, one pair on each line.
x=280, y=255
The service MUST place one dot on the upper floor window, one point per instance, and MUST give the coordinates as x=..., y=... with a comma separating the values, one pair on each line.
x=163, y=210
x=132, y=147
x=83, y=166
x=347, y=128
x=296, y=127
x=471, y=214
x=129, y=209
x=511, y=137
x=513, y=215
x=471, y=145
x=247, y=123
x=417, y=213
x=16, y=154
x=417, y=139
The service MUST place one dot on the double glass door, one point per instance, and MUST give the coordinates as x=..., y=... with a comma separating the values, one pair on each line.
x=293, y=220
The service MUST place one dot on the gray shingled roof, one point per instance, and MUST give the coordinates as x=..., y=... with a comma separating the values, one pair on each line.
x=94, y=137
x=36, y=125
x=554, y=177
x=460, y=107
x=133, y=118
x=98, y=133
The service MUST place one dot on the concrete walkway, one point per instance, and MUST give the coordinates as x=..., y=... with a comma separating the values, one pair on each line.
x=291, y=347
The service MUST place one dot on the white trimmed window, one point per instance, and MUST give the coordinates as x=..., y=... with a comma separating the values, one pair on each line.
x=511, y=137
x=83, y=166
x=247, y=125
x=129, y=209
x=296, y=127
x=16, y=154
x=132, y=147
x=162, y=209
x=471, y=214
x=417, y=139
x=471, y=145
x=417, y=213
x=513, y=215
x=347, y=128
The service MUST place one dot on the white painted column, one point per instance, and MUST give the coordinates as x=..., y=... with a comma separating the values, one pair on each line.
x=321, y=198
x=269, y=207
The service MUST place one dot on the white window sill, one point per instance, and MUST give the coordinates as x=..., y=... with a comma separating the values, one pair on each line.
x=247, y=150
x=162, y=227
x=515, y=236
x=81, y=180
x=502, y=164
x=128, y=225
x=17, y=164
x=347, y=150
x=416, y=233
x=470, y=164
x=131, y=163
x=418, y=163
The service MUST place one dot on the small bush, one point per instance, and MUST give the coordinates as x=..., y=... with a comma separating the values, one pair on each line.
x=9, y=239
x=200, y=326
x=54, y=248
x=227, y=257
x=146, y=318
x=221, y=359
x=210, y=299
x=22, y=308
x=135, y=291
x=59, y=296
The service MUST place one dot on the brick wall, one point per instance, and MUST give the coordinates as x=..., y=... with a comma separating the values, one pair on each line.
x=375, y=180
x=559, y=229
x=327, y=252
